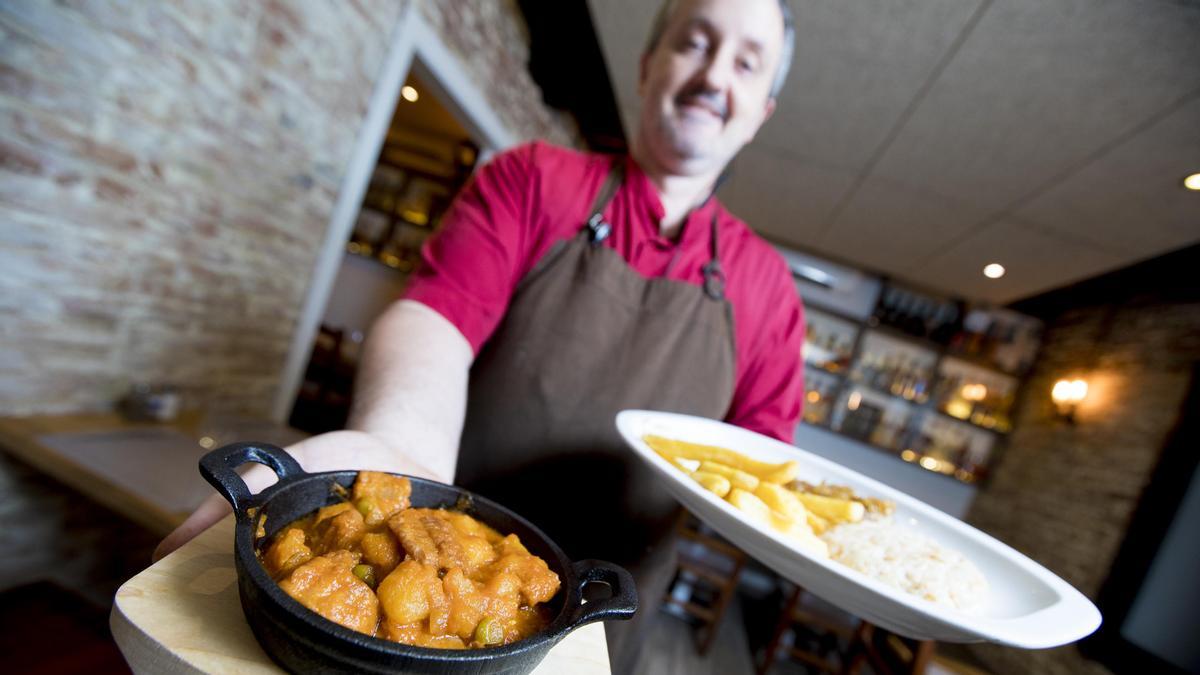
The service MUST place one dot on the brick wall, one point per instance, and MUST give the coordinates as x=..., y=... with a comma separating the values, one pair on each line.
x=1064, y=495
x=167, y=171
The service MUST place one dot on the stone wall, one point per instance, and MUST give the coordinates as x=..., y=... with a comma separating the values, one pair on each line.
x=167, y=172
x=1063, y=494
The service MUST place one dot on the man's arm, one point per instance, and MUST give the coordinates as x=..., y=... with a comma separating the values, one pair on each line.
x=409, y=403
x=411, y=388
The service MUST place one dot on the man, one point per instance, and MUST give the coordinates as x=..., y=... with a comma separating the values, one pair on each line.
x=565, y=287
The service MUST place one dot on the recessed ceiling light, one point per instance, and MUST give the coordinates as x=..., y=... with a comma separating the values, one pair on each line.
x=1192, y=182
x=410, y=93
x=993, y=271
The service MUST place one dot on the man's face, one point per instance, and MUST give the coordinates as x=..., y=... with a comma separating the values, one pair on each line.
x=706, y=86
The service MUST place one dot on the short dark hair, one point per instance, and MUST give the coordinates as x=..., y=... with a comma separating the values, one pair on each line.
x=659, y=26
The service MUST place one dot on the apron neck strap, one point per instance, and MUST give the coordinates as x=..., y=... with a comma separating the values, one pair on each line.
x=714, y=278
x=599, y=229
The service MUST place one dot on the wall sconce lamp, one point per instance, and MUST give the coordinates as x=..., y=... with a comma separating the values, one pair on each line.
x=1067, y=395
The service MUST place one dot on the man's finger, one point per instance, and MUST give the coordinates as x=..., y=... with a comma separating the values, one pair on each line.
x=210, y=511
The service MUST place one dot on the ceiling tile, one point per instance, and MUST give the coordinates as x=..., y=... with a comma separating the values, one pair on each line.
x=888, y=225
x=781, y=197
x=1036, y=261
x=1131, y=199
x=857, y=66
x=1039, y=86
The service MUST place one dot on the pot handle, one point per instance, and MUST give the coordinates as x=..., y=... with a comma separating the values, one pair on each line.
x=218, y=466
x=620, y=607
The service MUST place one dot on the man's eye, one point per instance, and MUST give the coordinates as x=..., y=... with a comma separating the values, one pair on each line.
x=695, y=44
x=747, y=65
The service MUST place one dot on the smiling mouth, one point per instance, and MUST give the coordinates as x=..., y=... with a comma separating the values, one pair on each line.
x=699, y=106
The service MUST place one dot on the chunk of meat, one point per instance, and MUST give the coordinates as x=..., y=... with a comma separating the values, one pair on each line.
x=538, y=582
x=428, y=538
x=286, y=553
x=467, y=604
x=381, y=550
x=327, y=586
x=341, y=531
x=326, y=512
x=379, y=496
x=477, y=540
x=410, y=594
x=415, y=634
x=502, y=596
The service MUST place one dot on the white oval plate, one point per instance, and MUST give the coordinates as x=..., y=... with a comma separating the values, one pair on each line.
x=1028, y=606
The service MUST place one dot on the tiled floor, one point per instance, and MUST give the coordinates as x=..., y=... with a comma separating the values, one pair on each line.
x=671, y=650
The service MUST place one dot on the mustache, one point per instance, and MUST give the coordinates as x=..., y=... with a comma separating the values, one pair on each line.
x=700, y=95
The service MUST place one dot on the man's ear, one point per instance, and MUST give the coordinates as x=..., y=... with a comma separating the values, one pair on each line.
x=768, y=110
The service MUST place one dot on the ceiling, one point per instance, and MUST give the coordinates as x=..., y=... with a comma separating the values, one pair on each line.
x=923, y=139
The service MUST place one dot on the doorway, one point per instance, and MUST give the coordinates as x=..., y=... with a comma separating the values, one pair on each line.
x=427, y=155
x=427, y=126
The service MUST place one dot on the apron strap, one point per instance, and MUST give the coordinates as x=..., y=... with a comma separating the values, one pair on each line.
x=598, y=228
x=714, y=278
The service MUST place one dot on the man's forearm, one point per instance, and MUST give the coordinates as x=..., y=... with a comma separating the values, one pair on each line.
x=411, y=387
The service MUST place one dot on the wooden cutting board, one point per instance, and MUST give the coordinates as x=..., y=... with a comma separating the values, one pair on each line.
x=183, y=615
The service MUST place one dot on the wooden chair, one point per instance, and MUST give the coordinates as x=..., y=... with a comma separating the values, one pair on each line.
x=888, y=653
x=826, y=644
x=708, y=563
x=819, y=639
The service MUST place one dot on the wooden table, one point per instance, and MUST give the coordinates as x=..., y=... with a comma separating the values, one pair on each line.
x=183, y=615
x=144, y=471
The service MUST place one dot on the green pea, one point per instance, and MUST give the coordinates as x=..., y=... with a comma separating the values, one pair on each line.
x=489, y=632
x=365, y=506
x=366, y=573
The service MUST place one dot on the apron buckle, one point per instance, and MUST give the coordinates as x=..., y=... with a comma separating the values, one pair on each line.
x=598, y=228
x=714, y=280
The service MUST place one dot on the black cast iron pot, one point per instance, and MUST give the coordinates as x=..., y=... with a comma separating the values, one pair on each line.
x=303, y=641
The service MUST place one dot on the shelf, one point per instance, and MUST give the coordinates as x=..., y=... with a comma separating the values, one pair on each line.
x=916, y=341
x=980, y=362
x=898, y=454
x=883, y=392
x=837, y=314
x=952, y=418
x=825, y=371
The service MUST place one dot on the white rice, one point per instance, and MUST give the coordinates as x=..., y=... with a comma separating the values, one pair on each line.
x=908, y=560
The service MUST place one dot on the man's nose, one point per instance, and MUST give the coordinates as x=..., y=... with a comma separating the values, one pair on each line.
x=718, y=71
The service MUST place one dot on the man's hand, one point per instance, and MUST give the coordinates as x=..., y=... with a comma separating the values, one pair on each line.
x=335, y=451
x=410, y=398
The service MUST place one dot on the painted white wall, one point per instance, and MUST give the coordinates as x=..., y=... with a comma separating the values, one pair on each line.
x=1164, y=616
x=362, y=289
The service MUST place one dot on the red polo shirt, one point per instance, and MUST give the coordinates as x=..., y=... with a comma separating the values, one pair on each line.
x=519, y=205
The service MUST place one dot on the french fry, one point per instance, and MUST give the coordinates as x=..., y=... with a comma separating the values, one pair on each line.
x=817, y=524
x=714, y=483
x=737, y=477
x=750, y=505
x=684, y=464
x=772, y=473
x=780, y=499
x=832, y=508
x=797, y=530
x=812, y=542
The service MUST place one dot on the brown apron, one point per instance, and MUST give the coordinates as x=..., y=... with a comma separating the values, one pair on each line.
x=585, y=337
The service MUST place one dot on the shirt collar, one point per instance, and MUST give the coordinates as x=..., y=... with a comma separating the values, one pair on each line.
x=697, y=224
